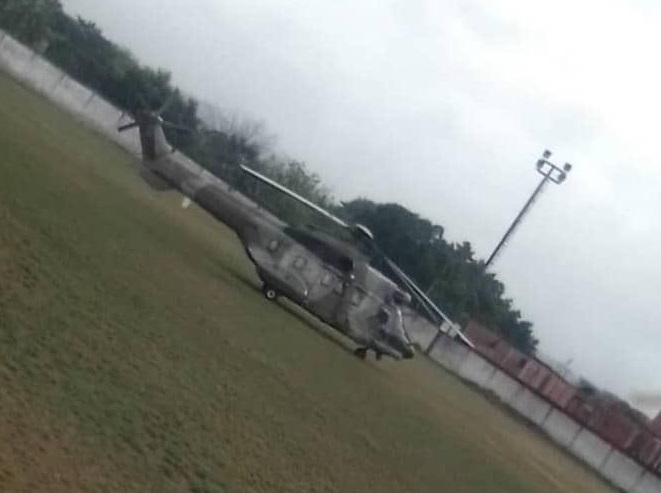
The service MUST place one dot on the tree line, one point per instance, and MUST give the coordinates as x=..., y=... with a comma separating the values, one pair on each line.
x=448, y=272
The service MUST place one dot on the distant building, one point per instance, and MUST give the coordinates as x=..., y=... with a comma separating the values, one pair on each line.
x=655, y=425
x=605, y=414
x=535, y=374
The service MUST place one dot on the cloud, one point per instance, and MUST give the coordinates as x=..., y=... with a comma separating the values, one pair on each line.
x=445, y=106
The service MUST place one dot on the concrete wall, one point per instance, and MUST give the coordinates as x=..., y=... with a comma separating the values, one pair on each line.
x=449, y=353
x=590, y=449
x=530, y=406
x=421, y=331
x=618, y=469
x=104, y=115
x=14, y=57
x=503, y=386
x=42, y=76
x=622, y=471
x=561, y=428
x=476, y=369
x=68, y=94
x=647, y=484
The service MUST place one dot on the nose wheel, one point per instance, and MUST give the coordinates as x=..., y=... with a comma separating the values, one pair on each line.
x=361, y=352
x=269, y=293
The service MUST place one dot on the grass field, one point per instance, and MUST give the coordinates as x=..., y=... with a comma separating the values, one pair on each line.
x=137, y=354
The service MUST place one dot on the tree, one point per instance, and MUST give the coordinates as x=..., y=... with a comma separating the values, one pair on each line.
x=30, y=21
x=448, y=271
x=454, y=279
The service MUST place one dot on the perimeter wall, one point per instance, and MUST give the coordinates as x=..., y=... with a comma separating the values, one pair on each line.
x=612, y=464
x=42, y=76
x=622, y=471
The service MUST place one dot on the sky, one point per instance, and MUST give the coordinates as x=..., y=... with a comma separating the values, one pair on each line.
x=445, y=106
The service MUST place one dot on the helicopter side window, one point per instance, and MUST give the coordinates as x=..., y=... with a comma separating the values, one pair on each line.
x=357, y=297
x=273, y=245
x=327, y=279
x=300, y=263
x=325, y=252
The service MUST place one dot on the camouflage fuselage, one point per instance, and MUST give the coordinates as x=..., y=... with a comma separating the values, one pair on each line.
x=340, y=288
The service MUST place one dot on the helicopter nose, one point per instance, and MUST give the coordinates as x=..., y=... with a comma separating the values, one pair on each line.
x=408, y=352
x=404, y=348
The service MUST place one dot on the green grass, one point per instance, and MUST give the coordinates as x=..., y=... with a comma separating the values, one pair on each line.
x=137, y=354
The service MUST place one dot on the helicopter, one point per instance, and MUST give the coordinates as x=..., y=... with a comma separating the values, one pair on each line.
x=331, y=277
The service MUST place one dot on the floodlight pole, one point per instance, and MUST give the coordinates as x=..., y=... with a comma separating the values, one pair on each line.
x=549, y=172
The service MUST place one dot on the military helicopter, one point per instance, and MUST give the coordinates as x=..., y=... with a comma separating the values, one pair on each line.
x=330, y=277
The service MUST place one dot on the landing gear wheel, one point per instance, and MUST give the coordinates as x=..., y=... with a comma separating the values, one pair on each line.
x=269, y=293
x=361, y=352
x=379, y=356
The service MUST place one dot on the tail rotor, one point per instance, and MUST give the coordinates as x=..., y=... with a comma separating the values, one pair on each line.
x=128, y=126
x=145, y=118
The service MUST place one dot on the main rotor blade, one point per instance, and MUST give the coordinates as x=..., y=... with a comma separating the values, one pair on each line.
x=416, y=291
x=294, y=195
x=166, y=103
x=127, y=126
x=176, y=126
x=424, y=300
x=142, y=101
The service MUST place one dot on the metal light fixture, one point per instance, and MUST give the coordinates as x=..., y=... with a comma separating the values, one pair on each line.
x=550, y=172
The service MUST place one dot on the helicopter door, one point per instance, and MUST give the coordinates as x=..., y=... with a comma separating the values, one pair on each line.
x=301, y=272
x=326, y=294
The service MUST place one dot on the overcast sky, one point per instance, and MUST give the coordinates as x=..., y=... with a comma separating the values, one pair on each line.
x=444, y=106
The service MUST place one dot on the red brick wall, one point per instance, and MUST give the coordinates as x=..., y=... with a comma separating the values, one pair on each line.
x=528, y=370
x=655, y=425
x=615, y=426
x=487, y=342
x=559, y=391
x=646, y=448
x=609, y=421
x=535, y=374
x=580, y=409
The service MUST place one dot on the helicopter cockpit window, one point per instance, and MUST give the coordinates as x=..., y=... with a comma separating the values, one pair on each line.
x=382, y=317
x=273, y=245
x=345, y=264
x=300, y=263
